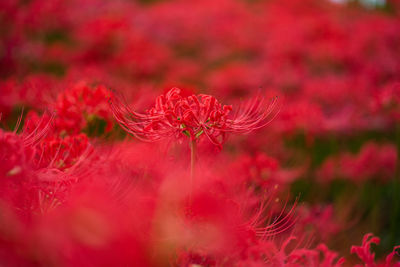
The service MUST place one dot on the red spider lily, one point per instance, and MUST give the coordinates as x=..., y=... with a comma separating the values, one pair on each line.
x=284, y=255
x=357, y=168
x=365, y=254
x=39, y=168
x=193, y=116
x=79, y=105
x=18, y=150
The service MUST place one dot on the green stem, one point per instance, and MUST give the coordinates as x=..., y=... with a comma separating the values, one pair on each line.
x=193, y=152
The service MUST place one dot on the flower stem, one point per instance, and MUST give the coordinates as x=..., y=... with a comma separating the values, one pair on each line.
x=193, y=152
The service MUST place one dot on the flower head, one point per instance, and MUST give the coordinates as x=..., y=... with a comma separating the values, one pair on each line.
x=368, y=257
x=193, y=116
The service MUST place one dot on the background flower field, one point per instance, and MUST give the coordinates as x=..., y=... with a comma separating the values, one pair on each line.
x=300, y=180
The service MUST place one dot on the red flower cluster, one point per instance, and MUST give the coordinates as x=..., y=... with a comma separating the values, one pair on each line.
x=372, y=162
x=365, y=254
x=79, y=105
x=175, y=116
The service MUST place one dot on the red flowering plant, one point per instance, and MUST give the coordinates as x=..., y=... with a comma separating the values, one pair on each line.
x=80, y=107
x=193, y=116
x=39, y=167
x=368, y=257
